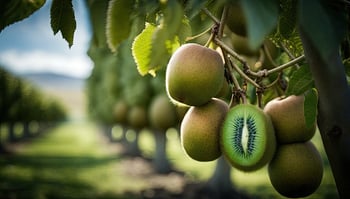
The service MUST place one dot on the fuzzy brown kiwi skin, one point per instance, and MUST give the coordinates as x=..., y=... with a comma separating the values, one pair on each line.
x=287, y=115
x=194, y=75
x=296, y=169
x=200, y=130
x=120, y=112
x=263, y=154
x=137, y=117
x=162, y=113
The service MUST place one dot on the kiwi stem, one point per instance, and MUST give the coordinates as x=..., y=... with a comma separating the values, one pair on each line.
x=259, y=93
x=244, y=97
x=209, y=39
x=265, y=73
x=262, y=56
x=222, y=22
x=274, y=82
x=246, y=77
x=286, y=65
x=239, y=58
x=198, y=35
x=207, y=12
x=230, y=51
x=235, y=98
x=229, y=68
x=285, y=49
x=268, y=55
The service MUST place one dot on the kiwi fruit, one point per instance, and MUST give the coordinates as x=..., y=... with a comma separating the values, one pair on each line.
x=241, y=45
x=236, y=20
x=120, y=111
x=137, y=117
x=296, y=169
x=162, y=113
x=247, y=141
x=200, y=130
x=225, y=91
x=181, y=111
x=194, y=75
x=287, y=115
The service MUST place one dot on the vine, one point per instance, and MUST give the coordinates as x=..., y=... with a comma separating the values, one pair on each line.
x=246, y=73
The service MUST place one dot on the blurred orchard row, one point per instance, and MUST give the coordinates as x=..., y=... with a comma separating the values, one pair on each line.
x=118, y=95
x=25, y=110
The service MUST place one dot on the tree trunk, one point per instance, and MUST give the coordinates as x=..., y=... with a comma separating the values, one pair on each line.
x=11, y=137
x=107, y=130
x=220, y=182
x=2, y=149
x=333, y=111
x=26, y=130
x=160, y=161
x=132, y=148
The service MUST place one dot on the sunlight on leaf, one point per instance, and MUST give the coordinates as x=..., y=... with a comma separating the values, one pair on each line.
x=142, y=47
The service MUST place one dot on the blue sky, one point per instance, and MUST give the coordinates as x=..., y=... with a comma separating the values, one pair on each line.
x=31, y=46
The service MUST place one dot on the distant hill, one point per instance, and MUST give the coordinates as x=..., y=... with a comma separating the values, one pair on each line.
x=53, y=80
x=69, y=90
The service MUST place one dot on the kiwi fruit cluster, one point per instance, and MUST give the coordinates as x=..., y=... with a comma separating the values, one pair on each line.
x=296, y=170
x=194, y=77
x=244, y=134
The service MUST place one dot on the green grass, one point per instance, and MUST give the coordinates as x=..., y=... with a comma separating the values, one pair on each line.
x=72, y=161
x=69, y=162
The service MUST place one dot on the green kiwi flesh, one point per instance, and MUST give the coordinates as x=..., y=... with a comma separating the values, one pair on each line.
x=248, y=140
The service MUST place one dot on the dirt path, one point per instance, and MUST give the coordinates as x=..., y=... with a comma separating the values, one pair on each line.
x=74, y=160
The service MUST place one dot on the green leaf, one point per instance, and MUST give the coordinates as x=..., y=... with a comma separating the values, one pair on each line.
x=287, y=19
x=153, y=47
x=118, y=24
x=324, y=23
x=261, y=19
x=16, y=10
x=173, y=15
x=184, y=31
x=141, y=49
x=346, y=63
x=310, y=107
x=300, y=81
x=63, y=19
x=165, y=38
x=98, y=16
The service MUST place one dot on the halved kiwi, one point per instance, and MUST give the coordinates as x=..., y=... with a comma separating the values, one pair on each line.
x=248, y=139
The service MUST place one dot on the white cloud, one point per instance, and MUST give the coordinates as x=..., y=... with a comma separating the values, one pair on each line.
x=43, y=61
x=31, y=46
